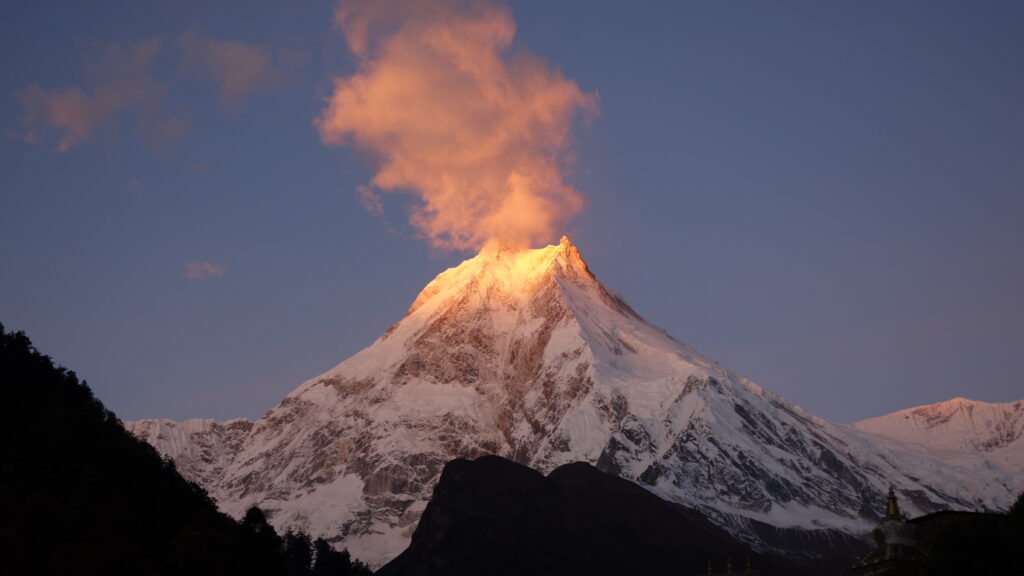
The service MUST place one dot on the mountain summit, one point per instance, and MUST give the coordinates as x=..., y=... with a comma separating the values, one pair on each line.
x=524, y=354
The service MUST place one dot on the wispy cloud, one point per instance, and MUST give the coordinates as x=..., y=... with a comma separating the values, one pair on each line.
x=161, y=131
x=237, y=68
x=28, y=136
x=370, y=200
x=199, y=269
x=135, y=187
x=121, y=80
x=128, y=85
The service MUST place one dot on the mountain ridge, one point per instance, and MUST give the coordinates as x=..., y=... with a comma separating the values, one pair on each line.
x=954, y=423
x=526, y=355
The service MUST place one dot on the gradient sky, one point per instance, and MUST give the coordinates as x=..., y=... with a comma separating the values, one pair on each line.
x=826, y=197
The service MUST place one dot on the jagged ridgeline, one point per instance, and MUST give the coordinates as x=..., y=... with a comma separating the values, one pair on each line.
x=80, y=495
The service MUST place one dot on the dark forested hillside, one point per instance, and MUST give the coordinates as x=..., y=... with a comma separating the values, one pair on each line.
x=79, y=495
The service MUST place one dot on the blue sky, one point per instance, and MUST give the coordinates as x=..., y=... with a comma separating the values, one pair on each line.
x=824, y=196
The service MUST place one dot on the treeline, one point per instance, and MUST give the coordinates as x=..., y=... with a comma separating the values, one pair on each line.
x=80, y=495
x=301, y=555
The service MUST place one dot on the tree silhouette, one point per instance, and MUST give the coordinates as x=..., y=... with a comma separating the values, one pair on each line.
x=298, y=553
x=330, y=562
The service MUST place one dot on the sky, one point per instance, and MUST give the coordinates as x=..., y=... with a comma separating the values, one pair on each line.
x=826, y=197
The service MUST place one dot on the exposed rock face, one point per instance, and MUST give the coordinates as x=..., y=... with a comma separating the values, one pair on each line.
x=524, y=354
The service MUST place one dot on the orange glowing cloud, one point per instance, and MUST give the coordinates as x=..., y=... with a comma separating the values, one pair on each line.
x=481, y=135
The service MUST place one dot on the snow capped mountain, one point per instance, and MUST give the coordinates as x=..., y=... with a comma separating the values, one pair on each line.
x=957, y=424
x=524, y=354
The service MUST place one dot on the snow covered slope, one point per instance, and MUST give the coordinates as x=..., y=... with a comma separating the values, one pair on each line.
x=973, y=447
x=957, y=424
x=524, y=354
x=201, y=448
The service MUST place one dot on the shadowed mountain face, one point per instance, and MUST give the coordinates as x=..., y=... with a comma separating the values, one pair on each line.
x=492, y=516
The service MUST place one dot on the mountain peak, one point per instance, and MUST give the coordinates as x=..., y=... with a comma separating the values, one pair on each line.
x=958, y=423
x=527, y=260
x=507, y=269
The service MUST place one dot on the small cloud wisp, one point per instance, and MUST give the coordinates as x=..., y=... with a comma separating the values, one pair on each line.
x=122, y=80
x=128, y=83
x=200, y=269
x=238, y=69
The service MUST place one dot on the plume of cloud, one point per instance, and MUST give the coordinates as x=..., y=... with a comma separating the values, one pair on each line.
x=237, y=68
x=479, y=133
x=122, y=80
x=197, y=270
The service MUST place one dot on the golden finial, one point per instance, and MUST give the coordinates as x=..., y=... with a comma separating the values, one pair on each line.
x=709, y=568
x=892, y=508
x=728, y=565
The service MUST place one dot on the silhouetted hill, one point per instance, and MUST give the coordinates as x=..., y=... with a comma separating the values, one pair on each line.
x=79, y=495
x=492, y=516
